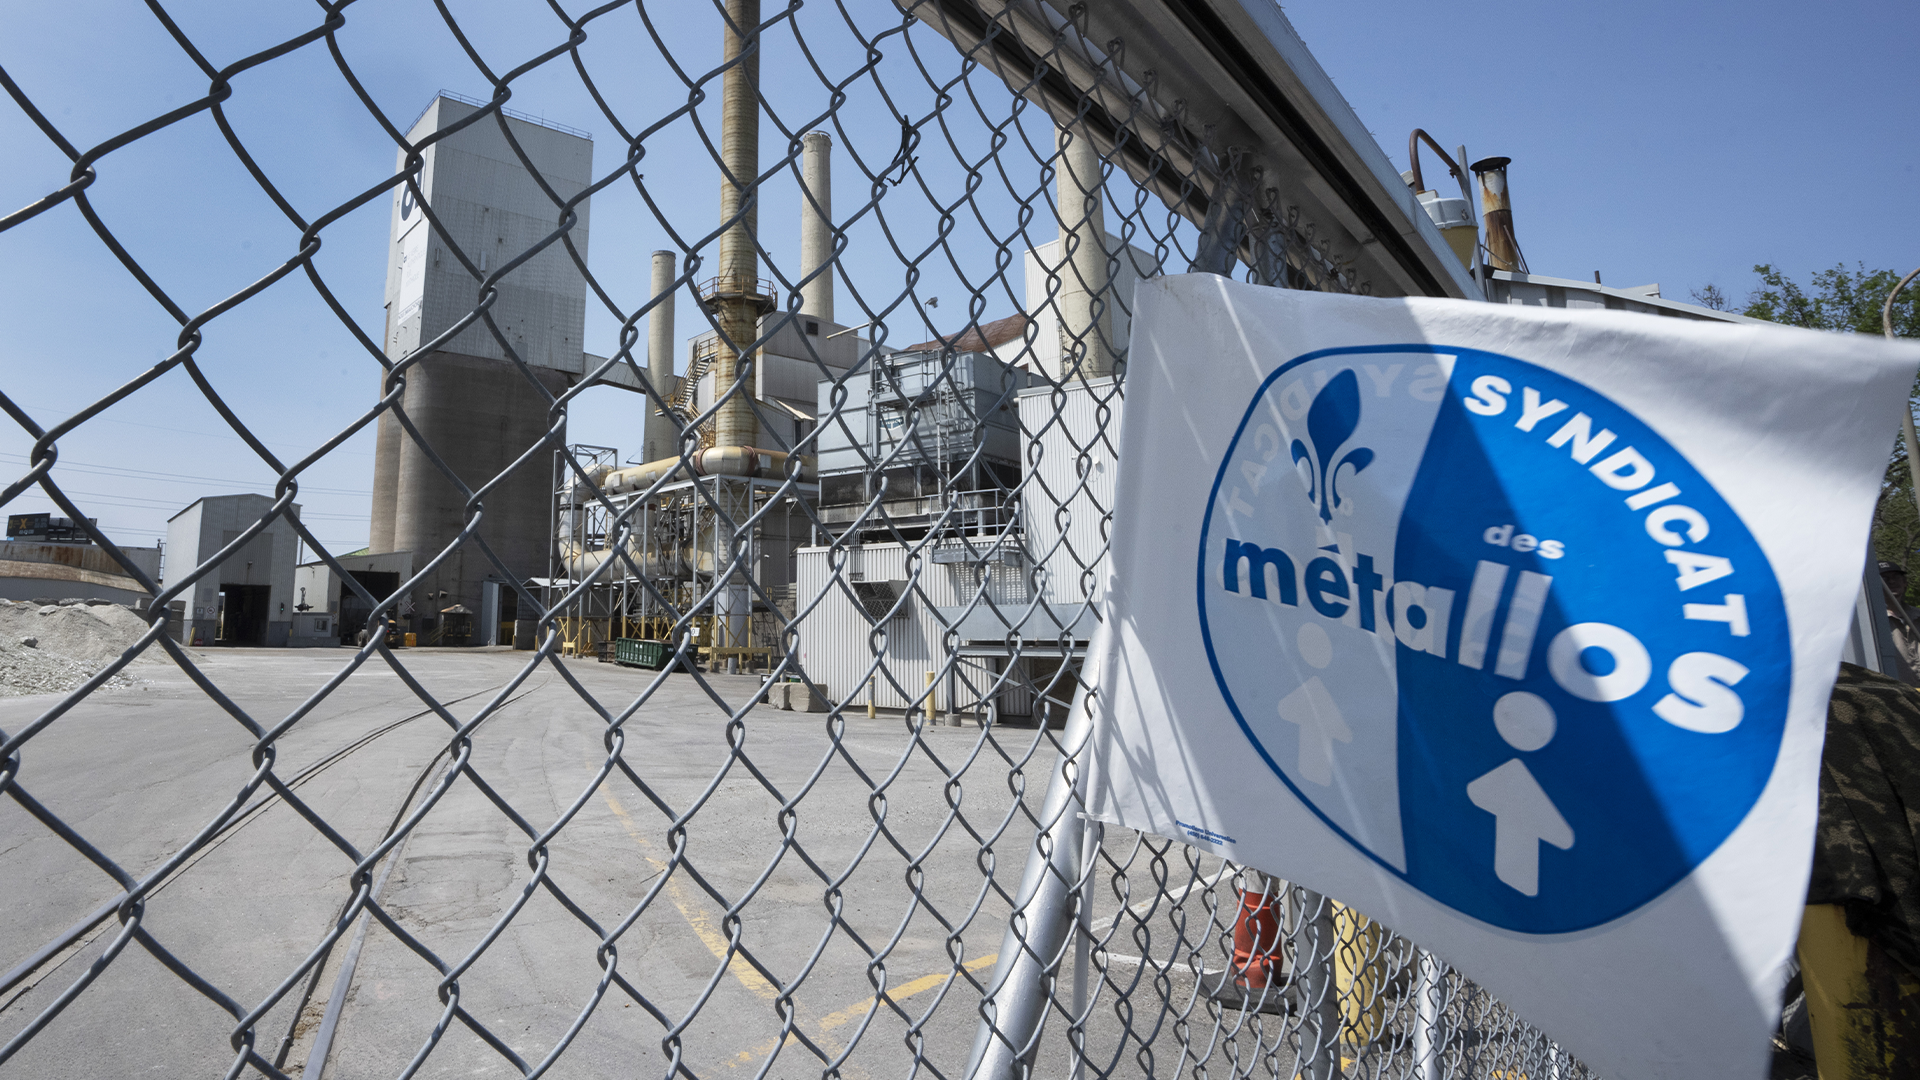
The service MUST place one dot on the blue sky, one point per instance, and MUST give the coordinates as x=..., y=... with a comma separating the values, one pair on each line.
x=1671, y=143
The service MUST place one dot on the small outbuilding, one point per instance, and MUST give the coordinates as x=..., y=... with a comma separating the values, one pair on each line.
x=248, y=598
x=329, y=612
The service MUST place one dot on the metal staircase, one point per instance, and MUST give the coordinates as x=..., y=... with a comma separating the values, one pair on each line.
x=705, y=350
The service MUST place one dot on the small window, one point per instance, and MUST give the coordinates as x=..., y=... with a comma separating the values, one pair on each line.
x=813, y=328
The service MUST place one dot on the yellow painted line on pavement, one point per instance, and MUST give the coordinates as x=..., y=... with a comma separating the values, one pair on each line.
x=839, y=1019
x=702, y=923
x=743, y=972
x=904, y=991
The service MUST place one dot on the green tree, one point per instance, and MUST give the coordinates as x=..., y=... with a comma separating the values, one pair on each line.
x=1851, y=301
x=1837, y=299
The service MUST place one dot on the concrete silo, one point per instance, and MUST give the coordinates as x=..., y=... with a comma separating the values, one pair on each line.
x=468, y=402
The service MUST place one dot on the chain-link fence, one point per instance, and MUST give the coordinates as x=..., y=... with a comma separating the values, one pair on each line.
x=745, y=745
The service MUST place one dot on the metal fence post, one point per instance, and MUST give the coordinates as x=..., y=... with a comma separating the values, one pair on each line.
x=1319, y=989
x=1092, y=834
x=1428, y=1039
x=1015, y=1003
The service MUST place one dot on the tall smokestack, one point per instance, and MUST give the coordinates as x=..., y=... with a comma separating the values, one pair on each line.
x=737, y=306
x=816, y=224
x=1085, y=339
x=736, y=295
x=1503, y=250
x=660, y=434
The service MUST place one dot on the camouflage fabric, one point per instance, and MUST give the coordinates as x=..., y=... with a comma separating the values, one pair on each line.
x=1867, y=854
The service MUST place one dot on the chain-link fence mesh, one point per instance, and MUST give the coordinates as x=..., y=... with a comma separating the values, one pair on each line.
x=844, y=564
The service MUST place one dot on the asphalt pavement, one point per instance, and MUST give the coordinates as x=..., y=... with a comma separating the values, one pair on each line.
x=834, y=862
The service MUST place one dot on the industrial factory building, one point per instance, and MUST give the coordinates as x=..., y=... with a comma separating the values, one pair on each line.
x=957, y=486
x=480, y=398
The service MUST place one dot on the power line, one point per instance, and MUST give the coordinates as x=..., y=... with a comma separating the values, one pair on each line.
x=170, y=478
x=182, y=431
x=105, y=499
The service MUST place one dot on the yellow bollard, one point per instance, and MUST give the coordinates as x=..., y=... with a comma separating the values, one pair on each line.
x=1359, y=972
x=933, y=714
x=871, y=691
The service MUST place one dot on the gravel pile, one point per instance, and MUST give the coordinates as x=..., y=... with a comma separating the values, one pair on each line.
x=53, y=648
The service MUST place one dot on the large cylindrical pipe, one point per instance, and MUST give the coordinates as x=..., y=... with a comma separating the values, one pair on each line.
x=1086, y=296
x=713, y=461
x=741, y=461
x=816, y=224
x=736, y=295
x=660, y=430
x=1503, y=250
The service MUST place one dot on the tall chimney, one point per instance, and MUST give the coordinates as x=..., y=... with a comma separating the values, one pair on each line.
x=1085, y=339
x=737, y=305
x=816, y=224
x=1503, y=251
x=660, y=432
x=736, y=298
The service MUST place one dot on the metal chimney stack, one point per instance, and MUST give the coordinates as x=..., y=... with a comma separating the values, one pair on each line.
x=1086, y=339
x=816, y=224
x=659, y=433
x=735, y=299
x=1503, y=250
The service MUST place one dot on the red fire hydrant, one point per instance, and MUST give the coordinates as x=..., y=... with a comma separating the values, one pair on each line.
x=1256, y=940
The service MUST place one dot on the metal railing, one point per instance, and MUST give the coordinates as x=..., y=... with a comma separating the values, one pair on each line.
x=371, y=861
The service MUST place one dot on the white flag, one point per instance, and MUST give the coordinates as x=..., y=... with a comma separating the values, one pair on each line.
x=1512, y=628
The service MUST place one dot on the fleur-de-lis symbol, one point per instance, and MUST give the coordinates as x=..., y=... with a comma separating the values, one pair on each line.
x=1331, y=420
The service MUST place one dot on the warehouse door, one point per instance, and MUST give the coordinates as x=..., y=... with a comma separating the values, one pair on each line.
x=353, y=610
x=243, y=614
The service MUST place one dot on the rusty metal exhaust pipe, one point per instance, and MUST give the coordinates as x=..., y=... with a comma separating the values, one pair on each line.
x=1503, y=251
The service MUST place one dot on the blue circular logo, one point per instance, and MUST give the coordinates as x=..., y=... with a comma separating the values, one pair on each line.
x=1492, y=629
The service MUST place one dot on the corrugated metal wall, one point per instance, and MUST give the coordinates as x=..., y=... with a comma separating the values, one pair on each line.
x=1081, y=437
x=838, y=642
x=1069, y=438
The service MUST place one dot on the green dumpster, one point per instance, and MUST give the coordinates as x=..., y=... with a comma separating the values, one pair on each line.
x=637, y=652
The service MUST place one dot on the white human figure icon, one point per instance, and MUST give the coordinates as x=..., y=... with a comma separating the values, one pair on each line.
x=1523, y=816
x=1311, y=707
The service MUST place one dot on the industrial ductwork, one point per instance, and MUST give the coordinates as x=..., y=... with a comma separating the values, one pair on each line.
x=742, y=461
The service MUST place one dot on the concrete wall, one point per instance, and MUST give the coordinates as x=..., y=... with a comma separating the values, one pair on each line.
x=46, y=588
x=196, y=535
x=480, y=416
